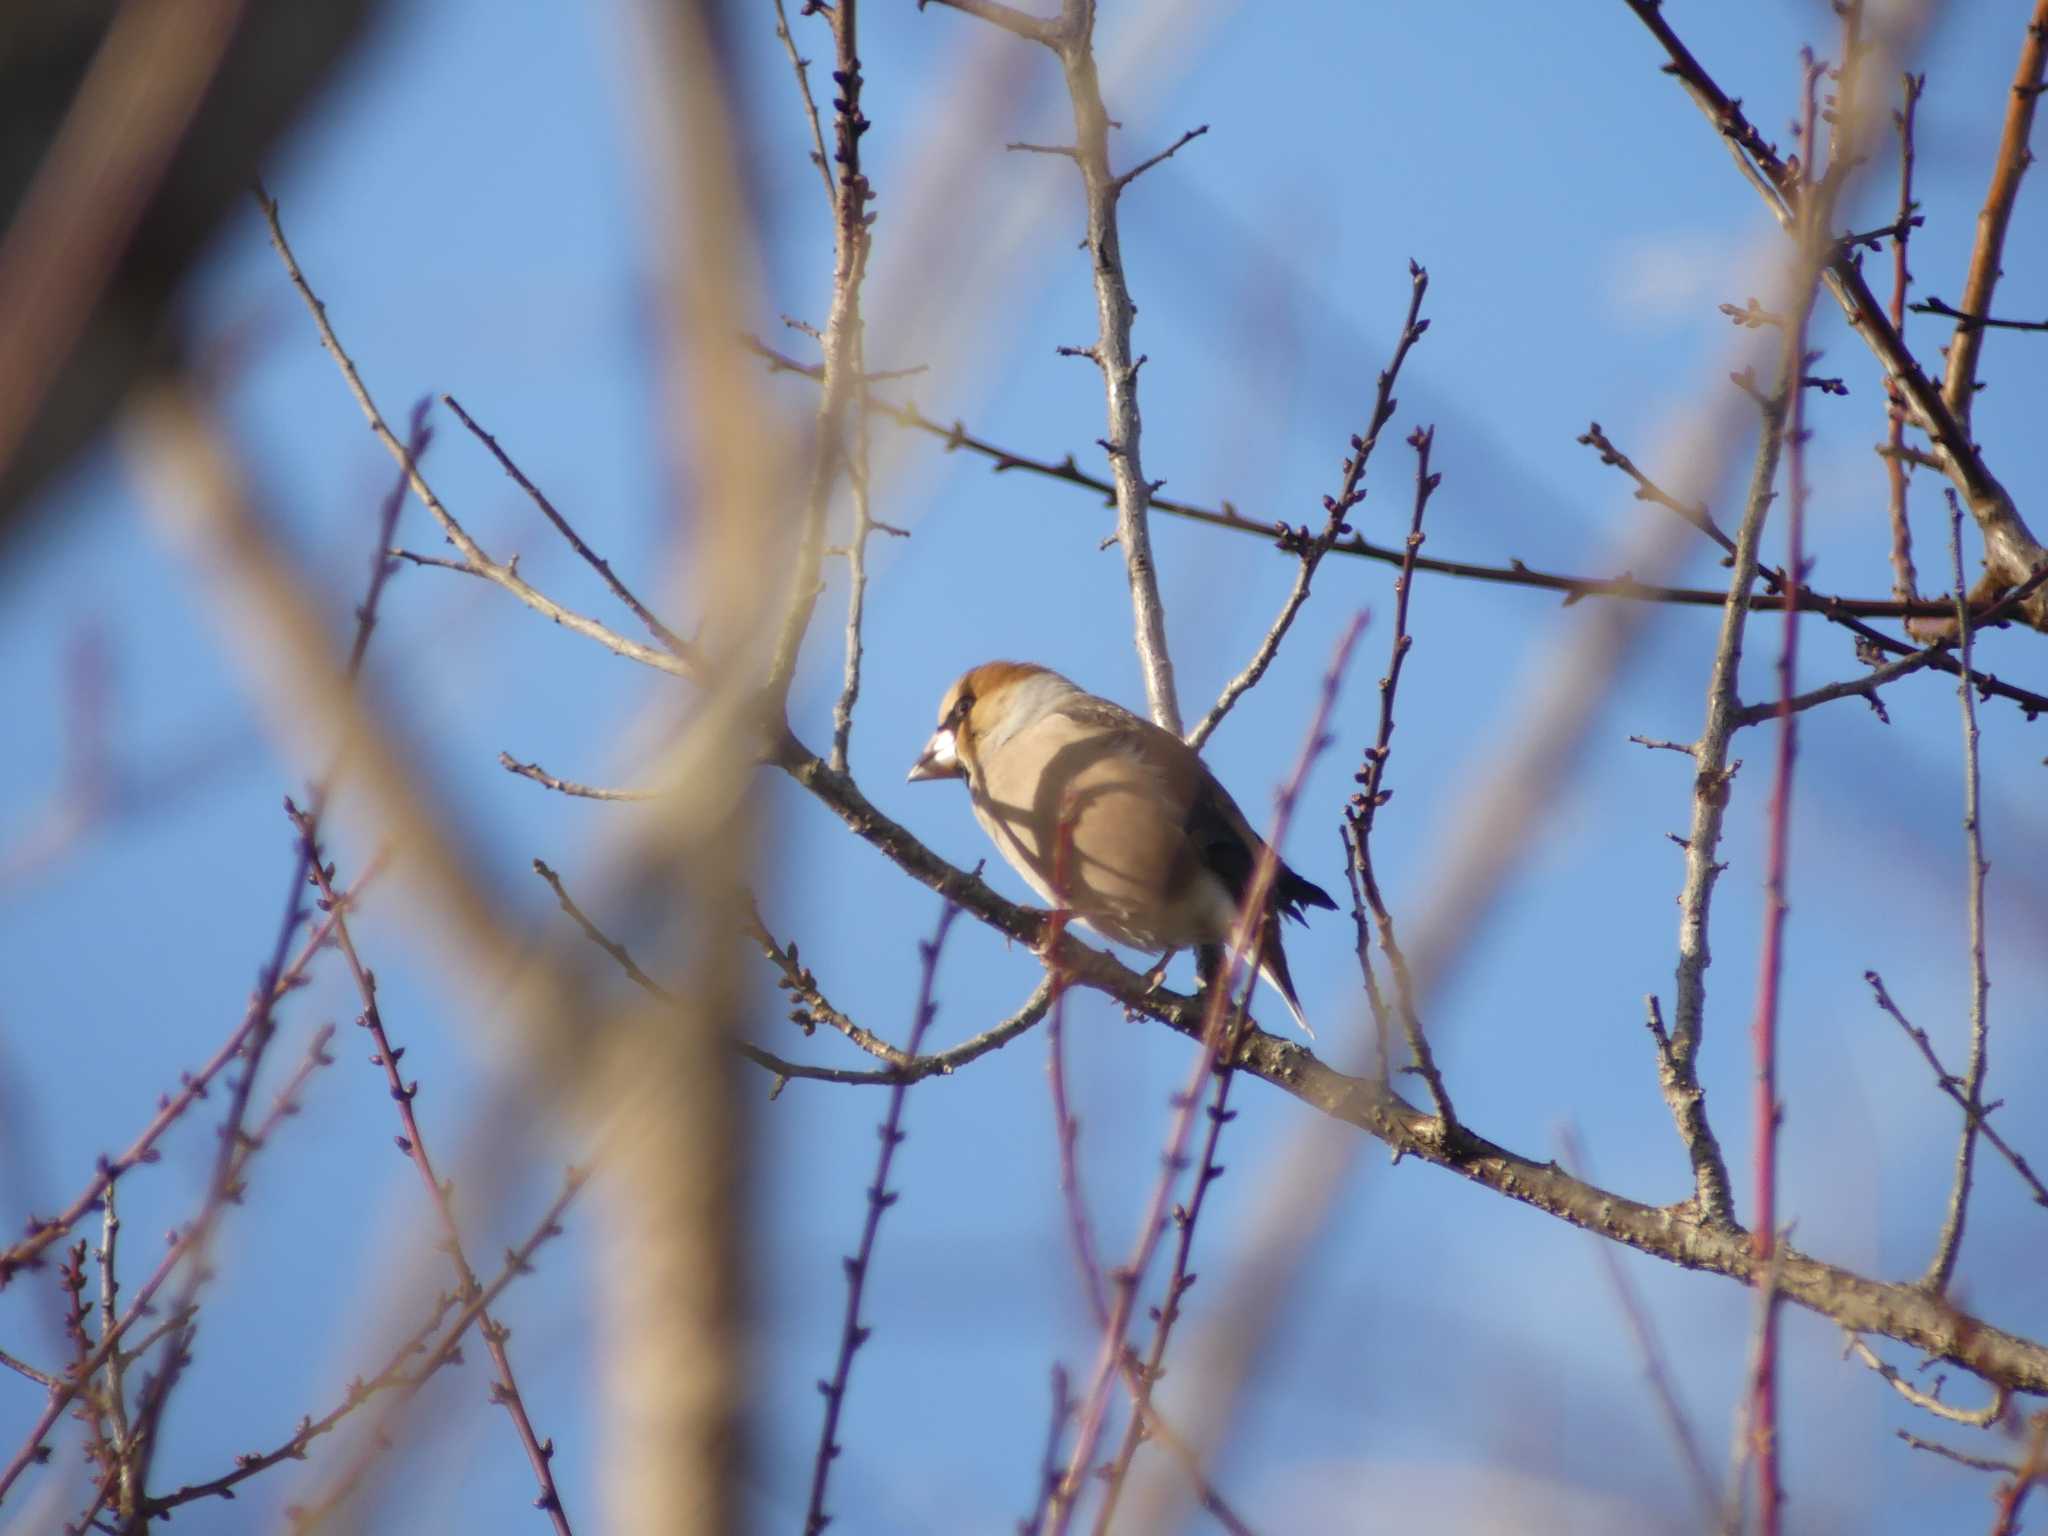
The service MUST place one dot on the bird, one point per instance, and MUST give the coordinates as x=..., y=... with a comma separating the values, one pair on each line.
x=1160, y=856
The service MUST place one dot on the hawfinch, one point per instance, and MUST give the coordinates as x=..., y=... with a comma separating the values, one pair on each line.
x=1161, y=855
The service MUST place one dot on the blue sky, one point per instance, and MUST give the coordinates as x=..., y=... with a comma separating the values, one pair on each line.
x=470, y=202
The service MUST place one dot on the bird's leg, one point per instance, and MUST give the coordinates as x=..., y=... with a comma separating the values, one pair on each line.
x=1211, y=972
x=1155, y=977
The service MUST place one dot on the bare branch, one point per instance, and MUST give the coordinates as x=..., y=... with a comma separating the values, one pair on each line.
x=1950, y=1084
x=546, y=780
x=675, y=644
x=802, y=66
x=2011, y=550
x=1941, y=1269
x=1979, y=1418
x=1362, y=811
x=1165, y=154
x=854, y=1333
x=1337, y=508
x=1959, y=385
x=477, y=562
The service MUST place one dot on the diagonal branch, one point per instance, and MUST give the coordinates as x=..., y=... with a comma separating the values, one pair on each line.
x=2010, y=549
x=1675, y=1233
x=1311, y=550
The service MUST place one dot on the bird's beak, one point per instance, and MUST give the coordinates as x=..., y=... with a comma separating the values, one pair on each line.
x=938, y=760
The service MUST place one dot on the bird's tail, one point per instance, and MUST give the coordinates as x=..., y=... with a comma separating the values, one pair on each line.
x=1272, y=963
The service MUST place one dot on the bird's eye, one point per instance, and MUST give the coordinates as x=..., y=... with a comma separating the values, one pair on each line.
x=960, y=708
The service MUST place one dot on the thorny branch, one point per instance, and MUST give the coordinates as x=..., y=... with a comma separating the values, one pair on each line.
x=505, y=1392
x=854, y=1333
x=1363, y=809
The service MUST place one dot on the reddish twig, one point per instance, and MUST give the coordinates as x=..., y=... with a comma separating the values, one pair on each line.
x=44, y=1231
x=505, y=1391
x=1650, y=1350
x=1214, y=1042
x=1179, y=1279
x=2033, y=1469
x=1049, y=1472
x=1814, y=208
x=444, y=1350
x=880, y=1197
x=299, y=1444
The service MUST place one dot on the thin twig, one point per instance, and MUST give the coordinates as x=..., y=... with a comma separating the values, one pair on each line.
x=546, y=780
x=937, y=1064
x=802, y=66
x=1178, y=1280
x=2033, y=1469
x=1648, y=489
x=1977, y=1418
x=225, y=1186
x=1905, y=580
x=1049, y=1472
x=1935, y=305
x=1961, y=1458
x=477, y=562
x=675, y=644
x=505, y=1392
x=811, y=1006
x=518, y=1261
x=192, y=1086
x=1941, y=1268
x=1650, y=1350
x=855, y=1333
x=1165, y=154
x=1217, y=1047
x=115, y=1392
x=296, y=1448
x=1363, y=810
x=1066, y=1128
x=1987, y=255
x=1336, y=509
x=1950, y=1084
x=1845, y=611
